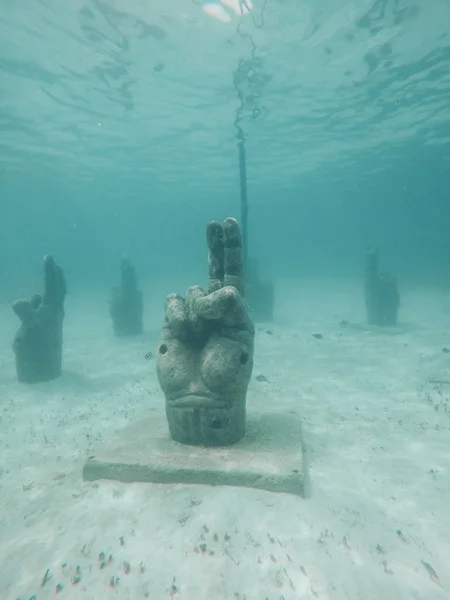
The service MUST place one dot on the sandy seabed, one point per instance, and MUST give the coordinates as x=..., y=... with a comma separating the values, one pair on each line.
x=376, y=417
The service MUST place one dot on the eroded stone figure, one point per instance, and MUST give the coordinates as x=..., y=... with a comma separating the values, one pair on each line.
x=126, y=306
x=381, y=293
x=38, y=342
x=205, y=353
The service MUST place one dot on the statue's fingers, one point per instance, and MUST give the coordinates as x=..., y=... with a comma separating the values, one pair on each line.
x=233, y=255
x=54, y=283
x=192, y=294
x=127, y=274
x=225, y=304
x=24, y=310
x=214, y=239
x=50, y=279
x=197, y=324
x=176, y=314
x=36, y=301
x=62, y=286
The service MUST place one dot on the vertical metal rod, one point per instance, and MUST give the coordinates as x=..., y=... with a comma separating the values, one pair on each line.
x=244, y=202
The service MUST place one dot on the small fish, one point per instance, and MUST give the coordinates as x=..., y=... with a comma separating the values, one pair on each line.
x=445, y=350
x=431, y=572
x=318, y=336
x=46, y=577
x=387, y=570
x=149, y=355
x=401, y=536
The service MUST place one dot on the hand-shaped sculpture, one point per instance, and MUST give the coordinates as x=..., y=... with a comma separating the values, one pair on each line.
x=205, y=354
x=381, y=293
x=126, y=304
x=38, y=342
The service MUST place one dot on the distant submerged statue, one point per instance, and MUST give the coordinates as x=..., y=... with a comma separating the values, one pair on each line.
x=205, y=353
x=38, y=342
x=126, y=306
x=381, y=293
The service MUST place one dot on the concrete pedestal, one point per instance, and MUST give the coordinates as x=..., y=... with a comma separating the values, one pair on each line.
x=269, y=457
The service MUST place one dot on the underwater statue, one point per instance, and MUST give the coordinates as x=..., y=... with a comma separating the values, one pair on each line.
x=126, y=305
x=381, y=293
x=260, y=294
x=39, y=340
x=205, y=353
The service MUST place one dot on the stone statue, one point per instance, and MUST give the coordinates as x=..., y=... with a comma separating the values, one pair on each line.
x=205, y=353
x=381, y=293
x=126, y=305
x=38, y=342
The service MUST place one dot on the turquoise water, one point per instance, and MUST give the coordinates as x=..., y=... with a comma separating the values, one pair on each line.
x=114, y=115
x=119, y=129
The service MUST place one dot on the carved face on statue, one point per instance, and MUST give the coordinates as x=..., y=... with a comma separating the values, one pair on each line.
x=205, y=354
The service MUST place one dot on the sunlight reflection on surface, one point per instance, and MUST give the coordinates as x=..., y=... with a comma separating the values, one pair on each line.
x=216, y=8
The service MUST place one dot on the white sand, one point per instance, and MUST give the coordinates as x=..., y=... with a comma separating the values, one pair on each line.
x=378, y=434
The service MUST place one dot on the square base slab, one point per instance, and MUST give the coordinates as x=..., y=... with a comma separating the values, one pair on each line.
x=268, y=458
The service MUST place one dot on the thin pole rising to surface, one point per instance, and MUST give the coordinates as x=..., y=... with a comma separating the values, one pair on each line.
x=242, y=173
x=242, y=79
x=244, y=201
